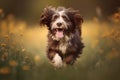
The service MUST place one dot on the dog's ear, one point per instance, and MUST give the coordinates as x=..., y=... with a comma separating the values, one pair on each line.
x=46, y=16
x=78, y=18
x=75, y=16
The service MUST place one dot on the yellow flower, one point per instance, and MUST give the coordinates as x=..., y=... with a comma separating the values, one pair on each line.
x=13, y=63
x=4, y=70
x=3, y=44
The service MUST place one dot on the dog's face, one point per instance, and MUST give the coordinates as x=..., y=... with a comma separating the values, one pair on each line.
x=61, y=22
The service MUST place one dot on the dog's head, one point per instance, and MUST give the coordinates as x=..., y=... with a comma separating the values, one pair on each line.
x=61, y=21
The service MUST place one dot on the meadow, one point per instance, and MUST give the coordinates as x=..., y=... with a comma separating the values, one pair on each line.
x=23, y=51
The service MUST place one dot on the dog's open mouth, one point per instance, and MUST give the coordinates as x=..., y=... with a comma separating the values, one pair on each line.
x=59, y=32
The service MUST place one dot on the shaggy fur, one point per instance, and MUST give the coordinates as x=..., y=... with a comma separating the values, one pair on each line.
x=64, y=36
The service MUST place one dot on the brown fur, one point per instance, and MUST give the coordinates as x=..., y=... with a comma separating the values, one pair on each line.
x=74, y=49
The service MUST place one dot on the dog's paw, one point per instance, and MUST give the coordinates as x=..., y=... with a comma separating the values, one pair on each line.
x=57, y=61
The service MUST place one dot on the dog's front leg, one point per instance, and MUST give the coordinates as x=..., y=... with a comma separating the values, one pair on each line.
x=69, y=59
x=55, y=59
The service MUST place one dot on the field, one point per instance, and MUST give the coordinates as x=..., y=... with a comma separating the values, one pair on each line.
x=23, y=52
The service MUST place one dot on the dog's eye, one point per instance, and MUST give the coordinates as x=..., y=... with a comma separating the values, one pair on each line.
x=55, y=17
x=65, y=18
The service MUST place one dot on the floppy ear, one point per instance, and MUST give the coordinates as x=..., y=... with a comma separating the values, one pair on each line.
x=75, y=16
x=46, y=16
x=78, y=19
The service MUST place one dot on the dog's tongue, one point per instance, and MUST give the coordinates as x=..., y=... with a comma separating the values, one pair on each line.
x=59, y=34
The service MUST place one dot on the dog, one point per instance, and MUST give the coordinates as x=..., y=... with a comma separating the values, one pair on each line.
x=64, y=34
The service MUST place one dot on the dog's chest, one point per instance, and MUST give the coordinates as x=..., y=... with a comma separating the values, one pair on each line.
x=63, y=47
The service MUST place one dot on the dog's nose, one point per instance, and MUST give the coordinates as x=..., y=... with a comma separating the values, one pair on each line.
x=59, y=24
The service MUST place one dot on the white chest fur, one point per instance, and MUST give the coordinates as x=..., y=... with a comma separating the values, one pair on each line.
x=63, y=47
x=64, y=44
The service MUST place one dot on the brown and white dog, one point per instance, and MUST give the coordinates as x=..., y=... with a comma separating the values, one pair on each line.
x=64, y=36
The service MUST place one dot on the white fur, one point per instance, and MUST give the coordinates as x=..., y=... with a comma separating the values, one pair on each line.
x=61, y=20
x=63, y=47
x=65, y=43
x=57, y=61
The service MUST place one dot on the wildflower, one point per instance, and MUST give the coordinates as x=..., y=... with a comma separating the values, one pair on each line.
x=4, y=70
x=13, y=63
x=116, y=17
x=3, y=44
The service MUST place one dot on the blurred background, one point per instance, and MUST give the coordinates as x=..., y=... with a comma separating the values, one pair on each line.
x=23, y=41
